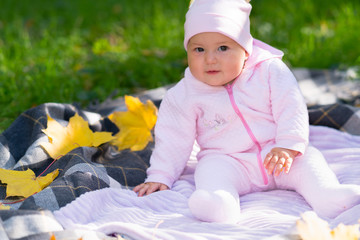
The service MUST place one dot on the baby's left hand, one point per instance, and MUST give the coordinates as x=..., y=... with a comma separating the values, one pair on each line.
x=278, y=159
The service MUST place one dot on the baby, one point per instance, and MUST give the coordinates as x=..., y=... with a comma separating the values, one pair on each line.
x=243, y=107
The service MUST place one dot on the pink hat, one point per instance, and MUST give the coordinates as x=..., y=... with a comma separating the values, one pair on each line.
x=228, y=17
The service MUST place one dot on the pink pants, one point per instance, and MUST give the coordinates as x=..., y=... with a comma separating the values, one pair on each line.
x=221, y=180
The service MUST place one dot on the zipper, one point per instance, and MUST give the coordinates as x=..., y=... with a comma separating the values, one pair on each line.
x=229, y=89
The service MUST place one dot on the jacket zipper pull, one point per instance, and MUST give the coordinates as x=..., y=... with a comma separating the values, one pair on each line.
x=228, y=88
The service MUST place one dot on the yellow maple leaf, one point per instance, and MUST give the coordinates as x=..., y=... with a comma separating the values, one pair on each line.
x=311, y=227
x=346, y=232
x=4, y=207
x=135, y=124
x=76, y=134
x=25, y=183
x=53, y=237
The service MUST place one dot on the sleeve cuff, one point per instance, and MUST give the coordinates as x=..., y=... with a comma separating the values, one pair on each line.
x=300, y=147
x=160, y=177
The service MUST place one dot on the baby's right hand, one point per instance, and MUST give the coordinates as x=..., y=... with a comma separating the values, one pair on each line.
x=149, y=187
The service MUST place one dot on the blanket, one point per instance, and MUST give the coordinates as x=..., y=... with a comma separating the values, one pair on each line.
x=87, y=174
x=165, y=215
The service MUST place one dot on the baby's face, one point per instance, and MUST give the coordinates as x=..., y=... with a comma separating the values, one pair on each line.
x=214, y=58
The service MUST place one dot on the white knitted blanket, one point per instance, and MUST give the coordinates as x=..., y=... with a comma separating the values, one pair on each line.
x=165, y=215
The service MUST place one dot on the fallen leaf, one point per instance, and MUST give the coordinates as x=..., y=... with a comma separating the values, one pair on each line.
x=4, y=207
x=347, y=232
x=25, y=183
x=135, y=124
x=54, y=238
x=311, y=227
x=76, y=134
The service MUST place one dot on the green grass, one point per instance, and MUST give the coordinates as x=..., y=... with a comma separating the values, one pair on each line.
x=313, y=34
x=80, y=50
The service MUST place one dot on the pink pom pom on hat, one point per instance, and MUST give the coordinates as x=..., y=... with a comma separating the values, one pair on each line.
x=228, y=17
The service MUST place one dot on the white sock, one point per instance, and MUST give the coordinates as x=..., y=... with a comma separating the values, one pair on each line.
x=332, y=201
x=218, y=206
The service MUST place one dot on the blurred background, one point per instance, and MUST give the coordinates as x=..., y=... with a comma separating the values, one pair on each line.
x=85, y=50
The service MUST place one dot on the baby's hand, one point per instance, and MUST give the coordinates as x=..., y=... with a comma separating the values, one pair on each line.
x=279, y=159
x=149, y=187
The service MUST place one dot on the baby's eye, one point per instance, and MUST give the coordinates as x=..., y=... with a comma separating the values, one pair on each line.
x=199, y=49
x=223, y=48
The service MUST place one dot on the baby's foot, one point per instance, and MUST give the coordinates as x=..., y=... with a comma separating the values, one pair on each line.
x=218, y=206
x=338, y=200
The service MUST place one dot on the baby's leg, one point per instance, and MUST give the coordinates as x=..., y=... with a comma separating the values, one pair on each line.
x=311, y=176
x=216, y=198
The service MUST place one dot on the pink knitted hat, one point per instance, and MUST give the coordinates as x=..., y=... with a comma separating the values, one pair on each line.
x=228, y=17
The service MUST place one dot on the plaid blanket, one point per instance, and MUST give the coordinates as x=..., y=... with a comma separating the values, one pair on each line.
x=87, y=169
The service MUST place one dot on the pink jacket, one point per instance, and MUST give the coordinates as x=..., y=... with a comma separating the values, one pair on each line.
x=267, y=96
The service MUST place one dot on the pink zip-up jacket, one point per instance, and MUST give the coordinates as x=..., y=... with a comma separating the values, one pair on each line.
x=267, y=96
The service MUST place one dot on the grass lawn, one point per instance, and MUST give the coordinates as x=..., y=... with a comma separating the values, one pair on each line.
x=80, y=50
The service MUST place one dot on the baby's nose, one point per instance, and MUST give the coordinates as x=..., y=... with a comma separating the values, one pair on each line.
x=210, y=58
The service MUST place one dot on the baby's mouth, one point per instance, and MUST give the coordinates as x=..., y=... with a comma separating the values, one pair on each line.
x=212, y=72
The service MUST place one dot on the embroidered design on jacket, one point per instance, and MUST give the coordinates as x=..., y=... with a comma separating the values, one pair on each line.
x=217, y=122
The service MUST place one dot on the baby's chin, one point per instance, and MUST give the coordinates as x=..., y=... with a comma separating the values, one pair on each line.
x=217, y=83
